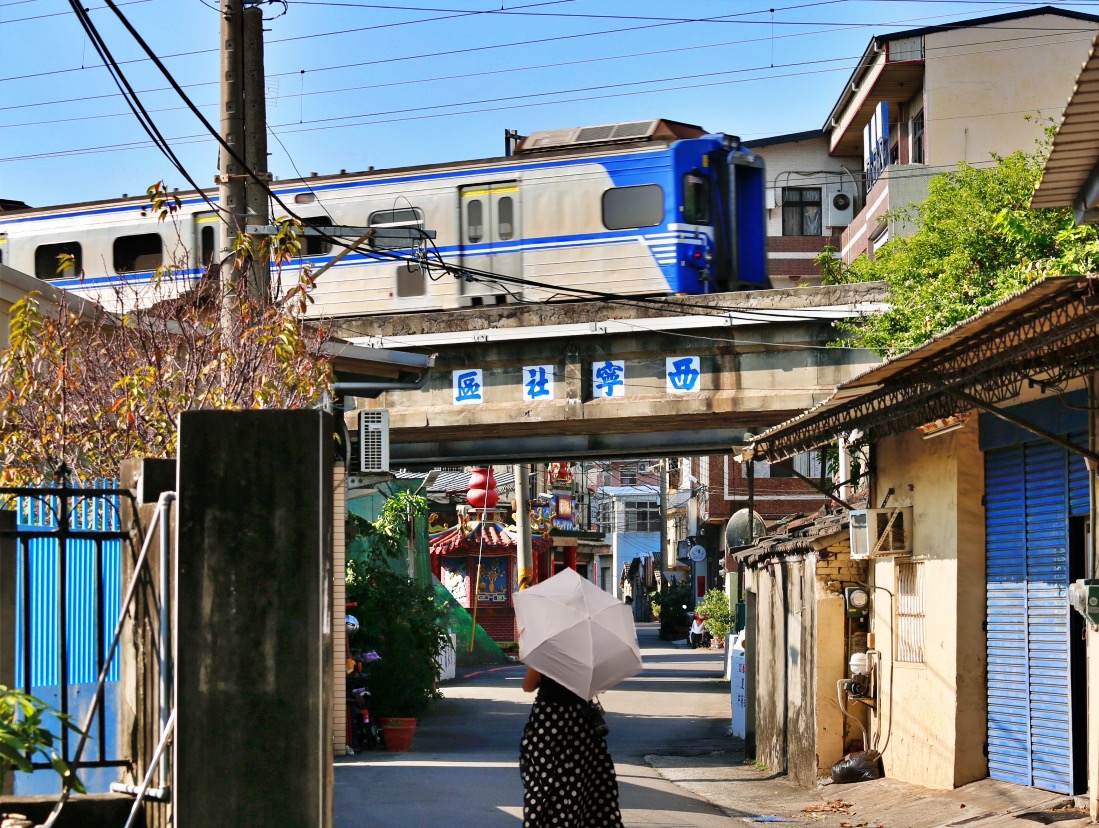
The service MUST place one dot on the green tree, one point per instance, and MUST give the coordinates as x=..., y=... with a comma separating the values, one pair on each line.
x=977, y=241
x=398, y=618
x=714, y=607
x=87, y=384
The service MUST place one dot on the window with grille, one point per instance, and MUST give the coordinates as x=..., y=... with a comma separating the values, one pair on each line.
x=627, y=475
x=910, y=612
x=801, y=211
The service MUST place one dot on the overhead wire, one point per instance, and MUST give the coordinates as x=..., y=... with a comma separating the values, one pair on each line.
x=124, y=86
x=374, y=116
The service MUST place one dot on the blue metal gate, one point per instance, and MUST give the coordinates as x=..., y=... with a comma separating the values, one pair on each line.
x=1030, y=491
x=68, y=543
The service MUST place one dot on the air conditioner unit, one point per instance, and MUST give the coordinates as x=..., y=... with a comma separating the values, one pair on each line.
x=373, y=440
x=841, y=209
x=879, y=533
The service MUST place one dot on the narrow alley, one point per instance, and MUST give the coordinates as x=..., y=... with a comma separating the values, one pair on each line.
x=463, y=769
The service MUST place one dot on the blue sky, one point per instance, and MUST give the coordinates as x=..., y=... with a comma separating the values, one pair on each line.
x=353, y=84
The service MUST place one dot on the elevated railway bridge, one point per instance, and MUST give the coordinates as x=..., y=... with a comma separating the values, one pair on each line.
x=588, y=380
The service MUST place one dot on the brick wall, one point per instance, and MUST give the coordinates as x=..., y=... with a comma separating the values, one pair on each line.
x=498, y=622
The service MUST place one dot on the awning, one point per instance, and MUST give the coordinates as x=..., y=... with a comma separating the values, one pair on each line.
x=1046, y=333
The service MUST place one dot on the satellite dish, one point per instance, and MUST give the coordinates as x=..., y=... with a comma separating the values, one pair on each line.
x=697, y=553
x=739, y=532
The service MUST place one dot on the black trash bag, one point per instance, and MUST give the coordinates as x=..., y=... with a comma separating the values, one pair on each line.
x=861, y=766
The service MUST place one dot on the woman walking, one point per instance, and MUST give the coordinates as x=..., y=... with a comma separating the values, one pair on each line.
x=568, y=774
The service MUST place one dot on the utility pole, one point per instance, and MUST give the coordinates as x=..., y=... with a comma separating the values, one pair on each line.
x=523, y=541
x=255, y=140
x=231, y=195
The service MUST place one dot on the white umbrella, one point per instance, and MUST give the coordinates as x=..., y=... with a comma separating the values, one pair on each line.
x=577, y=634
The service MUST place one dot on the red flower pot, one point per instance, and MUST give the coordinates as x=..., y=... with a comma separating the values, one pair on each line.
x=397, y=733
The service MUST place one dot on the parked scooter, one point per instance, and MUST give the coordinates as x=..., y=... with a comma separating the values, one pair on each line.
x=363, y=731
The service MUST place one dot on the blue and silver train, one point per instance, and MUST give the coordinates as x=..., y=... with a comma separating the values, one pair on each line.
x=644, y=208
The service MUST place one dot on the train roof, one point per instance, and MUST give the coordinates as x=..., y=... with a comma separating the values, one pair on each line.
x=547, y=144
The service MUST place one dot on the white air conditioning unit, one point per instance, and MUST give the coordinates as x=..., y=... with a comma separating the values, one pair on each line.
x=841, y=209
x=879, y=533
x=373, y=440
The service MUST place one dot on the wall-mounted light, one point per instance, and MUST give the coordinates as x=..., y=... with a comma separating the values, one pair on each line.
x=943, y=425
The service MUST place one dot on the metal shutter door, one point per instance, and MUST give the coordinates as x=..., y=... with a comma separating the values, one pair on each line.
x=1005, y=567
x=1047, y=615
x=1029, y=705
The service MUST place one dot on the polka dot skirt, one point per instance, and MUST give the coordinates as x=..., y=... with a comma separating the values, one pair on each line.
x=568, y=774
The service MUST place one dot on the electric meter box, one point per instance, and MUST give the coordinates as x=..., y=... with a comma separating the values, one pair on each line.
x=856, y=601
x=1084, y=597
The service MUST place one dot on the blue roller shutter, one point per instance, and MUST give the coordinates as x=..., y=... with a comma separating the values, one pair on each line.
x=1030, y=492
x=1005, y=566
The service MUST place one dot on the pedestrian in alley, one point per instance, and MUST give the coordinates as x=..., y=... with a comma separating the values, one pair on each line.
x=567, y=770
x=697, y=634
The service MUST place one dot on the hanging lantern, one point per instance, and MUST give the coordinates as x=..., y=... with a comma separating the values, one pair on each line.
x=482, y=489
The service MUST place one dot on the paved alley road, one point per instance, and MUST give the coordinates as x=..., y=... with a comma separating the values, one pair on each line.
x=463, y=769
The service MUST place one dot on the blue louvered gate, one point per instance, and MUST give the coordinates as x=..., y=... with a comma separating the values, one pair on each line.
x=1030, y=491
x=83, y=520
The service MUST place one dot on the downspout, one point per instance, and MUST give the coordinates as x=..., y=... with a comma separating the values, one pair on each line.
x=785, y=666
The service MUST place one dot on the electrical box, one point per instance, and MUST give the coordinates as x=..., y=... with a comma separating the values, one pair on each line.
x=856, y=601
x=1083, y=595
x=841, y=209
x=373, y=440
x=878, y=533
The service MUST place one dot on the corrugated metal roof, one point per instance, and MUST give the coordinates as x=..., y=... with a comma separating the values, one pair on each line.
x=816, y=426
x=1068, y=178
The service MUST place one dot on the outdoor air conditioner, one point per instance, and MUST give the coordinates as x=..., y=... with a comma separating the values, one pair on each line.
x=373, y=440
x=841, y=209
x=877, y=533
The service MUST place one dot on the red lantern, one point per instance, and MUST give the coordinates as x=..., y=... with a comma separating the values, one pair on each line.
x=482, y=489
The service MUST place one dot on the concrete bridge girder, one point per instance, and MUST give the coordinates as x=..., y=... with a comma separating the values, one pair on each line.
x=753, y=375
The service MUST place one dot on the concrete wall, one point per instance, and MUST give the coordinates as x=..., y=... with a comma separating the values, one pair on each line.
x=937, y=707
x=980, y=81
x=796, y=643
x=804, y=163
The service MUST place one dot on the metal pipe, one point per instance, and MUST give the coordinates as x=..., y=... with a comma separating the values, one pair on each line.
x=155, y=794
x=844, y=711
x=148, y=774
x=349, y=389
x=164, y=506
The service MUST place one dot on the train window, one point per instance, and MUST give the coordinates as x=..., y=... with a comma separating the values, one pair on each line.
x=315, y=245
x=400, y=219
x=505, y=216
x=475, y=221
x=410, y=281
x=696, y=198
x=626, y=207
x=209, y=242
x=138, y=253
x=47, y=260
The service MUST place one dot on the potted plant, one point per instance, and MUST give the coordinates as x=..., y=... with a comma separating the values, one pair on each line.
x=672, y=600
x=402, y=622
x=23, y=738
x=714, y=608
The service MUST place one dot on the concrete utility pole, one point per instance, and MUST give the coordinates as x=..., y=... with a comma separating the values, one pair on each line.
x=522, y=525
x=231, y=195
x=255, y=138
